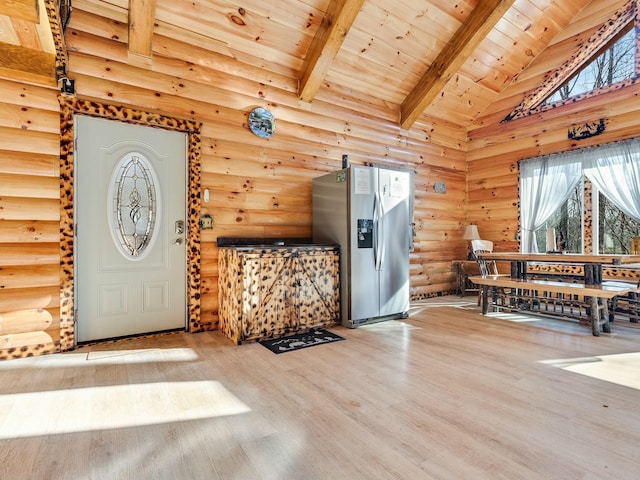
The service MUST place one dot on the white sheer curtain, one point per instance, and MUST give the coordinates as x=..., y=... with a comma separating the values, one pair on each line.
x=615, y=170
x=545, y=184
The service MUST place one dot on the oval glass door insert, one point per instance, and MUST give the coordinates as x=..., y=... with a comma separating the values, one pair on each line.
x=134, y=205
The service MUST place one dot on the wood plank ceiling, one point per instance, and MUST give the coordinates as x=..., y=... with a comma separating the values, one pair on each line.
x=443, y=59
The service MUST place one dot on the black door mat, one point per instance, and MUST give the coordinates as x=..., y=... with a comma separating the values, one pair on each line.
x=300, y=340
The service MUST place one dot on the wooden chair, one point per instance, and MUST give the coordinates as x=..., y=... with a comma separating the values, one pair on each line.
x=487, y=267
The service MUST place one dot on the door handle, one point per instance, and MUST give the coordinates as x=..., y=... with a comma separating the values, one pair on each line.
x=377, y=218
x=178, y=241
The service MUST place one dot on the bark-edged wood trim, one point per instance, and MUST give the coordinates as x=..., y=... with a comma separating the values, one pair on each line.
x=326, y=44
x=71, y=106
x=475, y=28
x=62, y=59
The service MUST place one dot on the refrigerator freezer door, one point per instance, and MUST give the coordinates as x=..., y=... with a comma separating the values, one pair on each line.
x=394, y=229
x=331, y=223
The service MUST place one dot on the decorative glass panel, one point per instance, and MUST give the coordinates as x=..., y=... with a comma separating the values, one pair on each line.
x=134, y=205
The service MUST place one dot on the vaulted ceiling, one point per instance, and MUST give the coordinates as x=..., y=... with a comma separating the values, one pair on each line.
x=448, y=59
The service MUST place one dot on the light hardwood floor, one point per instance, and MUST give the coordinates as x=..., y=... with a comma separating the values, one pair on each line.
x=445, y=394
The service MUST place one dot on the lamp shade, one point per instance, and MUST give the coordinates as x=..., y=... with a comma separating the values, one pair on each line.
x=471, y=233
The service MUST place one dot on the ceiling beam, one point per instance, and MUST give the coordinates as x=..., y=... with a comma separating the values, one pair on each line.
x=23, y=9
x=325, y=45
x=142, y=16
x=475, y=28
x=28, y=65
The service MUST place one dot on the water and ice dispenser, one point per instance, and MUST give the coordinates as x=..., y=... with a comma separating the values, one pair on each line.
x=365, y=233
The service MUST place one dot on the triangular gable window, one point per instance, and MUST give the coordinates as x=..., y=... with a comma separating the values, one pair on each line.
x=607, y=58
x=616, y=64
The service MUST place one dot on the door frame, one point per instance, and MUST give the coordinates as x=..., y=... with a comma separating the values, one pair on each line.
x=71, y=106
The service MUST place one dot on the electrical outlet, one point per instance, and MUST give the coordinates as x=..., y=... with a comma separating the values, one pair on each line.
x=440, y=187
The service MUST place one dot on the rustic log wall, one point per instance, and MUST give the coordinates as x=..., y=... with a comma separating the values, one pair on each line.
x=29, y=219
x=258, y=187
x=496, y=146
x=261, y=187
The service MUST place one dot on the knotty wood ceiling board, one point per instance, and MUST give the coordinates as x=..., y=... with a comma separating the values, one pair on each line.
x=384, y=55
x=519, y=36
x=563, y=46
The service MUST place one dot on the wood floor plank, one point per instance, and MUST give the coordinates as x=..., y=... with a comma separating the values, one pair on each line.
x=447, y=393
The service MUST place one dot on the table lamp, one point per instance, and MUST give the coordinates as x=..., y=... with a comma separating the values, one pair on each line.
x=471, y=233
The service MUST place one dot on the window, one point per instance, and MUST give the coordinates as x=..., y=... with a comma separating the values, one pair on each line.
x=567, y=223
x=616, y=229
x=615, y=64
x=134, y=205
x=550, y=198
x=606, y=58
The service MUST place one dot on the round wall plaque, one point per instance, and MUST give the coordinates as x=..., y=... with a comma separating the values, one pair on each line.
x=261, y=122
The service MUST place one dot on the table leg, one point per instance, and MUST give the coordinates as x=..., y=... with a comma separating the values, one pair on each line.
x=592, y=274
x=606, y=326
x=599, y=316
x=595, y=316
x=519, y=269
x=485, y=299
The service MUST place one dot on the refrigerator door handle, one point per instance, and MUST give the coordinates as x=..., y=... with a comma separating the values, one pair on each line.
x=375, y=230
x=377, y=218
x=382, y=245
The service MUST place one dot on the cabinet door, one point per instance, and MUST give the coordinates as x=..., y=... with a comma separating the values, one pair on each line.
x=230, y=291
x=317, y=278
x=269, y=296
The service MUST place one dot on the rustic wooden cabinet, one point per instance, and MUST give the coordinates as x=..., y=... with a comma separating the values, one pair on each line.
x=272, y=291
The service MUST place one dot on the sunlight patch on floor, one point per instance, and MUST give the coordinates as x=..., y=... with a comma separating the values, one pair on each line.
x=513, y=317
x=143, y=355
x=419, y=306
x=116, y=406
x=444, y=302
x=387, y=325
x=106, y=357
x=621, y=369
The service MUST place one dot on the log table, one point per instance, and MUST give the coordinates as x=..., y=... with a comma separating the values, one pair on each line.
x=592, y=263
x=596, y=292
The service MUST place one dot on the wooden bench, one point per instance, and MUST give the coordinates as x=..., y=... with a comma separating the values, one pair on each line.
x=590, y=301
x=627, y=306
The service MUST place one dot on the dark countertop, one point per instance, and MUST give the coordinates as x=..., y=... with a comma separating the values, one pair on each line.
x=292, y=246
x=252, y=243
x=244, y=241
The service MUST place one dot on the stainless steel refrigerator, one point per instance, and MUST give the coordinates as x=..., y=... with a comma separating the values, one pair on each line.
x=368, y=212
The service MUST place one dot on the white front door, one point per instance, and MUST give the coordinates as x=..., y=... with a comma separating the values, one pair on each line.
x=130, y=223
